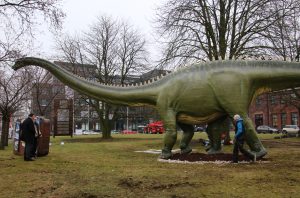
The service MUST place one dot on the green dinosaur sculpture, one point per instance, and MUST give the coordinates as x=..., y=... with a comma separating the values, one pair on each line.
x=202, y=93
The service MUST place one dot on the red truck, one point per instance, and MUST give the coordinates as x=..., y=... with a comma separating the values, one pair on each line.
x=155, y=127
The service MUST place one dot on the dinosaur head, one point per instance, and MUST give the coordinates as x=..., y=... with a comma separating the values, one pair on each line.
x=19, y=63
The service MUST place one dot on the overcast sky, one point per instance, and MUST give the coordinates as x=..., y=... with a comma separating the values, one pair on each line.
x=81, y=13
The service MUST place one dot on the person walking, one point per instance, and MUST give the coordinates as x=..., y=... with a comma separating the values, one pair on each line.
x=28, y=132
x=238, y=137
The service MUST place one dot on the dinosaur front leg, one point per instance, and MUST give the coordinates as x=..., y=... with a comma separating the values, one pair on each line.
x=169, y=119
x=214, y=131
x=188, y=133
x=252, y=140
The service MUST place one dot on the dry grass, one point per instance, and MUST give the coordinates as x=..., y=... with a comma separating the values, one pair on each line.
x=87, y=166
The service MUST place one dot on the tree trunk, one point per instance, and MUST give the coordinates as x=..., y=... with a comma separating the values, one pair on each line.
x=105, y=128
x=4, y=134
x=1, y=143
x=5, y=129
x=105, y=123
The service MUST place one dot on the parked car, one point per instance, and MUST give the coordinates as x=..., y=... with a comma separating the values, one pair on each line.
x=115, y=131
x=291, y=130
x=78, y=132
x=128, y=132
x=266, y=129
x=154, y=127
x=89, y=132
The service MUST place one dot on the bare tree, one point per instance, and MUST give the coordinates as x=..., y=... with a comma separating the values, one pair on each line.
x=72, y=48
x=116, y=50
x=44, y=92
x=15, y=90
x=21, y=15
x=216, y=29
x=283, y=37
x=131, y=51
x=18, y=21
x=101, y=47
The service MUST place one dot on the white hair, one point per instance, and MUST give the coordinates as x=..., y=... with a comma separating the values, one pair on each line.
x=236, y=117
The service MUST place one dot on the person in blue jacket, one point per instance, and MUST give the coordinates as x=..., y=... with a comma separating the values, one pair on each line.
x=238, y=137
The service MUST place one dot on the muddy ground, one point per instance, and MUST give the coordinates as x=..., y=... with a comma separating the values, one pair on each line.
x=194, y=157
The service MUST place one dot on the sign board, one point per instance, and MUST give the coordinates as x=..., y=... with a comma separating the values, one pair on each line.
x=63, y=118
x=18, y=145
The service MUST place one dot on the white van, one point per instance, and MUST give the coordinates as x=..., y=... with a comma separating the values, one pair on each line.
x=291, y=130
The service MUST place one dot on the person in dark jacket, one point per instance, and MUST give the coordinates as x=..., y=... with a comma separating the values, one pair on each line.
x=28, y=130
x=36, y=137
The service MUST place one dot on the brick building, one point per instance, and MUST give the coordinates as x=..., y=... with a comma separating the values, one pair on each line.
x=274, y=110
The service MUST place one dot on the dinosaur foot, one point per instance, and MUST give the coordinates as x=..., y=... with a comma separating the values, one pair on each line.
x=257, y=155
x=213, y=151
x=165, y=154
x=186, y=150
x=254, y=155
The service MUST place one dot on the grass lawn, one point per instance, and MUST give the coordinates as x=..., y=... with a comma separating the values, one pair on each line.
x=87, y=166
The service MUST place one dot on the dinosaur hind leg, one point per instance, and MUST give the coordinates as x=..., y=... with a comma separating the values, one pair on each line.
x=252, y=140
x=214, y=131
x=188, y=133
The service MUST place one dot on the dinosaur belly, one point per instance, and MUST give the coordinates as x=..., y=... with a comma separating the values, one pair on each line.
x=189, y=119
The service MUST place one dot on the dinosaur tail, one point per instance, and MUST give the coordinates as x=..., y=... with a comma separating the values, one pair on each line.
x=137, y=95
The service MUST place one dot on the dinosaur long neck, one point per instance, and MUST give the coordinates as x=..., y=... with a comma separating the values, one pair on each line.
x=134, y=96
x=272, y=76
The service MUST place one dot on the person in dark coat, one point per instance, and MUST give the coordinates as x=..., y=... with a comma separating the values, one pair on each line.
x=28, y=130
x=36, y=137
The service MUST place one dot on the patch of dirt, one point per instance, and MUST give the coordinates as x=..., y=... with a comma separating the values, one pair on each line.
x=129, y=183
x=172, y=185
x=87, y=195
x=195, y=157
x=227, y=157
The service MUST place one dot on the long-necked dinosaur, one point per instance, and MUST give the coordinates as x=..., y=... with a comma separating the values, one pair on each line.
x=201, y=93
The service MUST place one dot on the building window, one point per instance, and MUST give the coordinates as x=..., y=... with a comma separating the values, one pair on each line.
x=294, y=118
x=274, y=120
x=258, y=101
x=283, y=99
x=272, y=99
x=283, y=119
x=258, y=119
